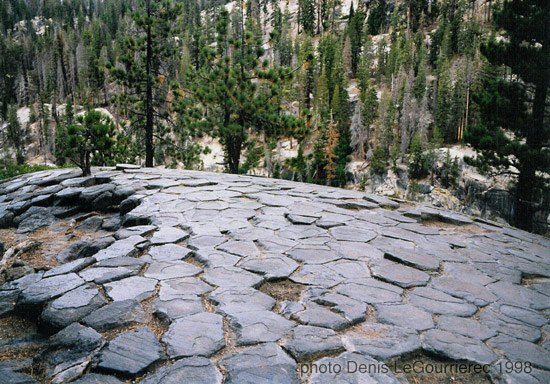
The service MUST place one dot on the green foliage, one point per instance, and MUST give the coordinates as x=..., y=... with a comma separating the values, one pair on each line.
x=16, y=135
x=10, y=170
x=449, y=171
x=419, y=163
x=363, y=183
x=415, y=191
x=254, y=153
x=379, y=160
x=298, y=165
x=377, y=18
x=90, y=141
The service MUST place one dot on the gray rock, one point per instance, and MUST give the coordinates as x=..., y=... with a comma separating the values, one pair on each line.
x=205, y=241
x=404, y=315
x=102, y=275
x=231, y=277
x=116, y=315
x=352, y=367
x=523, y=315
x=440, y=303
x=240, y=248
x=171, y=270
x=473, y=293
x=124, y=247
x=138, y=230
x=264, y=364
x=306, y=342
x=35, y=218
x=465, y=327
x=398, y=274
x=317, y=315
x=97, y=195
x=168, y=235
x=382, y=201
x=236, y=300
x=200, y=334
x=312, y=255
x=135, y=287
x=71, y=267
x=272, y=266
x=9, y=376
x=382, y=341
x=132, y=352
x=519, y=295
x=318, y=275
x=8, y=301
x=49, y=288
x=301, y=220
x=68, y=195
x=371, y=291
x=213, y=258
x=72, y=306
x=457, y=347
x=167, y=252
x=96, y=378
x=520, y=350
x=415, y=258
x=77, y=250
x=91, y=224
x=509, y=326
x=170, y=310
x=191, y=370
x=259, y=327
x=347, y=233
x=353, y=310
x=6, y=218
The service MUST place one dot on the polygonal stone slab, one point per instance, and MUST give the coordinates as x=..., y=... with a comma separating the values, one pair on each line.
x=131, y=352
x=317, y=315
x=519, y=295
x=520, y=350
x=116, y=315
x=398, y=274
x=347, y=233
x=167, y=252
x=457, y=347
x=183, y=287
x=96, y=378
x=350, y=269
x=191, y=370
x=382, y=341
x=509, y=326
x=231, y=277
x=440, y=303
x=236, y=300
x=167, y=235
x=135, y=287
x=312, y=255
x=213, y=258
x=404, y=315
x=72, y=306
x=415, y=258
x=272, y=266
x=171, y=310
x=264, y=364
x=240, y=248
x=317, y=275
x=171, y=270
x=353, y=310
x=473, y=293
x=305, y=342
x=465, y=327
x=200, y=334
x=50, y=288
x=259, y=327
x=371, y=291
x=205, y=241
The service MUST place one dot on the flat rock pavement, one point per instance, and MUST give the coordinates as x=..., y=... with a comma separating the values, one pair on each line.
x=211, y=278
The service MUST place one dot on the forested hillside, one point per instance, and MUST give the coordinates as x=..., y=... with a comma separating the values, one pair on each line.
x=323, y=91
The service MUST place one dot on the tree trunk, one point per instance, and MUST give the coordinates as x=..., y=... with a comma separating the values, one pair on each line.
x=149, y=149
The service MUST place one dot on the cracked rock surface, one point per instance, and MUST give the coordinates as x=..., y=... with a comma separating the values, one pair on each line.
x=187, y=277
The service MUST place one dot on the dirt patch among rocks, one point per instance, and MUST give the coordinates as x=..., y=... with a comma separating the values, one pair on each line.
x=283, y=290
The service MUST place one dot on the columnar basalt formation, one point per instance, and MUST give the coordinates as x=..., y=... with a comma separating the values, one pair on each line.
x=206, y=278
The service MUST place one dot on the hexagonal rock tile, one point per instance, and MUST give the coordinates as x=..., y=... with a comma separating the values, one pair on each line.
x=352, y=368
x=168, y=235
x=132, y=352
x=353, y=310
x=276, y=244
x=171, y=270
x=520, y=350
x=72, y=306
x=235, y=300
x=304, y=342
x=182, y=287
x=231, y=277
x=213, y=258
x=50, y=288
x=398, y=274
x=200, y=334
x=313, y=255
x=473, y=293
x=519, y=295
x=347, y=233
x=415, y=258
x=319, y=275
x=96, y=378
x=404, y=315
x=167, y=252
x=102, y=275
x=382, y=341
x=139, y=230
x=509, y=326
x=171, y=310
x=440, y=303
x=524, y=315
x=191, y=370
x=264, y=364
x=317, y=315
x=350, y=269
x=465, y=327
x=371, y=291
x=356, y=251
x=240, y=248
x=457, y=347
x=272, y=266
x=116, y=315
x=205, y=241
x=124, y=247
x=135, y=287
x=70, y=267
x=259, y=327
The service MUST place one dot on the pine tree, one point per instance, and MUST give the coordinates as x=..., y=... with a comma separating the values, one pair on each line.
x=377, y=18
x=307, y=16
x=15, y=135
x=503, y=104
x=144, y=71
